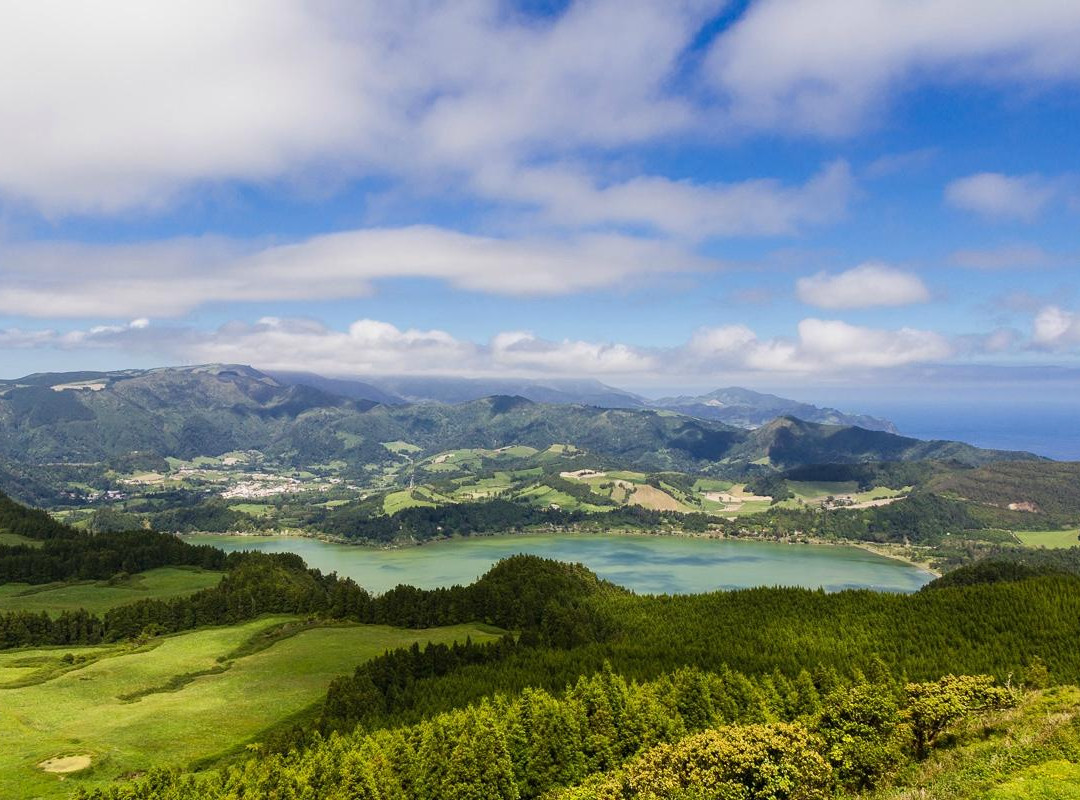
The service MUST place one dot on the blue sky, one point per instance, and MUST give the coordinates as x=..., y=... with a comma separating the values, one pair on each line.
x=818, y=195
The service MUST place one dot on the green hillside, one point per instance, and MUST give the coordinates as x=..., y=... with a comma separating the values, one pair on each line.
x=185, y=413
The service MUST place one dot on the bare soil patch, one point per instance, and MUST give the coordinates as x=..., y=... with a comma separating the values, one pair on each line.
x=65, y=764
x=881, y=501
x=734, y=499
x=582, y=473
x=652, y=498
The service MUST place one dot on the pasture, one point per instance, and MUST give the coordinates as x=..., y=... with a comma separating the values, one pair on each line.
x=99, y=596
x=15, y=540
x=1049, y=539
x=192, y=698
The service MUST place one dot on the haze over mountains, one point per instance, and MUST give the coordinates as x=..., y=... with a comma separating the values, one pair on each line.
x=210, y=410
x=743, y=408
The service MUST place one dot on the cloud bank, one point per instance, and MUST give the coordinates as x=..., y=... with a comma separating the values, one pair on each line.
x=172, y=277
x=375, y=347
x=132, y=107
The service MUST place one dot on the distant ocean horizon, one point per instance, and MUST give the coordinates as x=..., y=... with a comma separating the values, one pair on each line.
x=1046, y=429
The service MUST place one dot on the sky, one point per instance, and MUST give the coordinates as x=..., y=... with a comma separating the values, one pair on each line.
x=825, y=196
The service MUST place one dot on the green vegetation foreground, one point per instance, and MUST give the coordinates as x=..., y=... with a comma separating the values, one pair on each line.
x=831, y=692
x=195, y=697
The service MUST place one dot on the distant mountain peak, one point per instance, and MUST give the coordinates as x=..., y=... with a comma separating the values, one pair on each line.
x=746, y=408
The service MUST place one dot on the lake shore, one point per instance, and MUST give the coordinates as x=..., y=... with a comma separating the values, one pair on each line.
x=895, y=552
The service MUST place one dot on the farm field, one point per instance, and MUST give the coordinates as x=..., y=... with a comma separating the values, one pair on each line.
x=194, y=698
x=99, y=596
x=1052, y=539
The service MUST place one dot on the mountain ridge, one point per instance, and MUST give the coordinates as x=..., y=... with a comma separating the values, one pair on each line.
x=209, y=410
x=747, y=408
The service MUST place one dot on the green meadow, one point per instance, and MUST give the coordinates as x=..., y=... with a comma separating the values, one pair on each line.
x=1052, y=539
x=99, y=596
x=15, y=540
x=188, y=699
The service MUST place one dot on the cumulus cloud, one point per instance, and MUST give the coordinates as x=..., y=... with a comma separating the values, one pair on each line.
x=368, y=346
x=376, y=347
x=1056, y=328
x=821, y=346
x=172, y=277
x=130, y=106
x=519, y=350
x=999, y=196
x=864, y=286
x=826, y=66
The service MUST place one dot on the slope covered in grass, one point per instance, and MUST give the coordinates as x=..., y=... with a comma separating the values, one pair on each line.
x=183, y=699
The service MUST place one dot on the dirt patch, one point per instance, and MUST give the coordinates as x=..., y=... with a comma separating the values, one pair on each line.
x=65, y=764
x=881, y=501
x=734, y=499
x=653, y=498
x=582, y=473
x=1024, y=506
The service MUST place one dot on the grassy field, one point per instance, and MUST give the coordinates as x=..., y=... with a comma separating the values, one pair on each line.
x=98, y=596
x=14, y=539
x=188, y=699
x=398, y=501
x=1052, y=539
x=254, y=509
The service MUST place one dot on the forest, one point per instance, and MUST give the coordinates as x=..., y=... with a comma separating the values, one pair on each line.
x=594, y=692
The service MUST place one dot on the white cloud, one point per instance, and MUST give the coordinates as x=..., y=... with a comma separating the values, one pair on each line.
x=828, y=66
x=172, y=277
x=866, y=285
x=1056, y=328
x=129, y=108
x=821, y=347
x=835, y=343
x=680, y=208
x=992, y=194
x=520, y=350
x=123, y=107
x=725, y=342
x=368, y=346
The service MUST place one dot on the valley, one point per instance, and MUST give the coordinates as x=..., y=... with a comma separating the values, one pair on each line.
x=406, y=585
x=643, y=563
x=540, y=400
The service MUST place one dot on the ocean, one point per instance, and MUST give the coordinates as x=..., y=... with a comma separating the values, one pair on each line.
x=1050, y=429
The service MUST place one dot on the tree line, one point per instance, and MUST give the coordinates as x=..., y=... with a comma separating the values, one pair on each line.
x=604, y=736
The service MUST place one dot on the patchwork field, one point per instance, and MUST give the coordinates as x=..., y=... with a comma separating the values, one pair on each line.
x=98, y=596
x=188, y=699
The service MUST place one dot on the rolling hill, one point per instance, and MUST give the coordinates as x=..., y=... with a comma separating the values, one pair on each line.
x=190, y=412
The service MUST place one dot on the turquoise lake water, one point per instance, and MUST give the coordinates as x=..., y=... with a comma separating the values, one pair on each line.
x=645, y=564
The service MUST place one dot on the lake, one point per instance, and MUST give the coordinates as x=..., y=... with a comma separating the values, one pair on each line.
x=645, y=564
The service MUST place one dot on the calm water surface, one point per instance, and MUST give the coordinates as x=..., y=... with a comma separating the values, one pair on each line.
x=646, y=564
